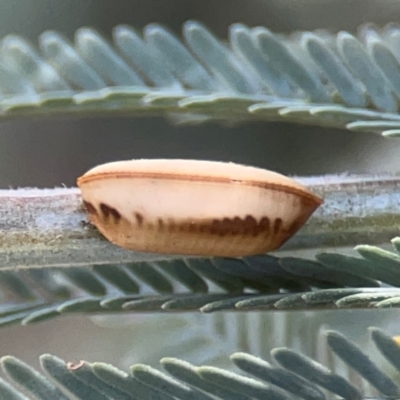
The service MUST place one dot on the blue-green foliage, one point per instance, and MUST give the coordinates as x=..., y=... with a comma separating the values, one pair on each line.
x=257, y=283
x=337, y=80
x=290, y=374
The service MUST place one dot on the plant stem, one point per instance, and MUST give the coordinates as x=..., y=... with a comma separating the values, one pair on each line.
x=48, y=227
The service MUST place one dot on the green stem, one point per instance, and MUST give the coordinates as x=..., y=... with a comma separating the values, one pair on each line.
x=48, y=227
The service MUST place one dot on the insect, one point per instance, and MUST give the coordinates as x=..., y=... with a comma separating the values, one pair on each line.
x=396, y=339
x=191, y=207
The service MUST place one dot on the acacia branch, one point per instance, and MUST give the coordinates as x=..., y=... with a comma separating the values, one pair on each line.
x=48, y=227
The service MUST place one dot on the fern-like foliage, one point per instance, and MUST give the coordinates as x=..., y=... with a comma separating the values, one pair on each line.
x=290, y=374
x=257, y=283
x=319, y=78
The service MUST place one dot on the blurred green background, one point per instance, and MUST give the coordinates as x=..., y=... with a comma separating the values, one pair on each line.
x=48, y=152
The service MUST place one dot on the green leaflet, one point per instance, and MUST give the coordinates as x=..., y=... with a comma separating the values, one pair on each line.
x=290, y=373
x=257, y=283
x=336, y=80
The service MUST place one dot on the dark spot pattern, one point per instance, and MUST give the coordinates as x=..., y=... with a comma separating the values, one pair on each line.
x=139, y=218
x=215, y=226
x=250, y=225
x=108, y=211
x=192, y=227
x=226, y=226
x=89, y=207
x=264, y=224
x=171, y=225
x=204, y=228
x=277, y=225
x=235, y=226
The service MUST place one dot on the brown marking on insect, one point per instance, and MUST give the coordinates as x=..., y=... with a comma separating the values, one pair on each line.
x=206, y=228
x=264, y=225
x=227, y=226
x=139, y=218
x=192, y=226
x=107, y=211
x=90, y=207
x=215, y=226
x=237, y=226
x=277, y=225
x=171, y=225
x=250, y=225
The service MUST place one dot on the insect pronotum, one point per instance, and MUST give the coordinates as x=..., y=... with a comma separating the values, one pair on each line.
x=191, y=207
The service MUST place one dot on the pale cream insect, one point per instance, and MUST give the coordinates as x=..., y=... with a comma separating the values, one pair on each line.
x=203, y=208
